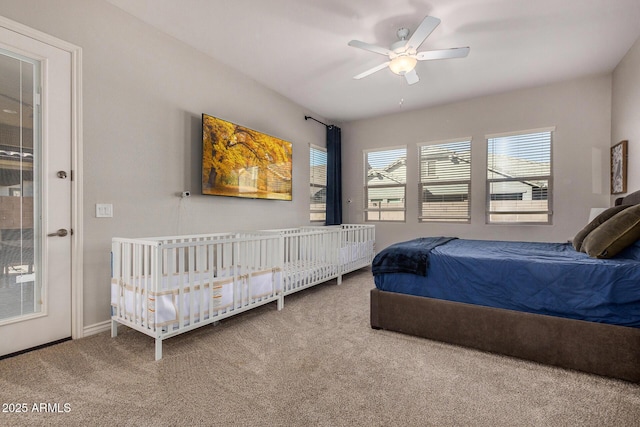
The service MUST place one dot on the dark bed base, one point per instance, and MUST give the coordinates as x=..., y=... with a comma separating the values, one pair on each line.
x=612, y=351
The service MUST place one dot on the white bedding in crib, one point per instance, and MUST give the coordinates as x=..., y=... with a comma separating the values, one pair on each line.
x=169, y=304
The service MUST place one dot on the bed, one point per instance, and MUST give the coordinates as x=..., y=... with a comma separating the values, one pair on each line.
x=545, y=302
x=165, y=286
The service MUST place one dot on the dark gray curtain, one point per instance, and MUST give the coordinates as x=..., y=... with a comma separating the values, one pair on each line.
x=334, y=175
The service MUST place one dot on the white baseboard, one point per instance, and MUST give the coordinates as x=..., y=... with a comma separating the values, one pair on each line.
x=97, y=328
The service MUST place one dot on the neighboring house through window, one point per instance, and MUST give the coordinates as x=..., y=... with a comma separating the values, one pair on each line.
x=386, y=180
x=445, y=181
x=519, y=179
x=317, y=183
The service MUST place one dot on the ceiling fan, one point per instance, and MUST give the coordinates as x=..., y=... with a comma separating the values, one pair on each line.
x=403, y=54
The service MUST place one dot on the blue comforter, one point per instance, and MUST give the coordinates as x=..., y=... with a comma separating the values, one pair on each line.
x=543, y=278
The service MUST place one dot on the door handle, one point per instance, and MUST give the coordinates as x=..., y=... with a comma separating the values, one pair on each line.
x=60, y=233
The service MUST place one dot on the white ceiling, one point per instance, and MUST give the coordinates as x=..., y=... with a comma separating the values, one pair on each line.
x=299, y=48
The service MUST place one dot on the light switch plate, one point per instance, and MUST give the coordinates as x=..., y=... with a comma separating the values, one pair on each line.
x=104, y=210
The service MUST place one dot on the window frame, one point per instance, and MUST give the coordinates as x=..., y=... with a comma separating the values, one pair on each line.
x=366, y=208
x=421, y=185
x=549, y=178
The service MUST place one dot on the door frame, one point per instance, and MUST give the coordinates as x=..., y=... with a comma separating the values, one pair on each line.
x=77, y=320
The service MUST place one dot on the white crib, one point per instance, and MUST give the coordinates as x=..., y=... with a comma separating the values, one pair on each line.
x=169, y=285
x=310, y=256
x=356, y=246
x=165, y=286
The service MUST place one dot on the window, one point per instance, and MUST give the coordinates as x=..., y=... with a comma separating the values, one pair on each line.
x=445, y=180
x=386, y=180
x=519, y=178
x=317, y=183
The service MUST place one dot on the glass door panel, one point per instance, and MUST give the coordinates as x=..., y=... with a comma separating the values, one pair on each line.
x=20, y=292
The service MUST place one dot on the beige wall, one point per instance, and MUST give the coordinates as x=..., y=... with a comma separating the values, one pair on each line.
x=625, y=123
x=144, y=93
x=579, y=109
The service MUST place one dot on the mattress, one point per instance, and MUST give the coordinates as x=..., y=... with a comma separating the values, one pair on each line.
x=542, y=278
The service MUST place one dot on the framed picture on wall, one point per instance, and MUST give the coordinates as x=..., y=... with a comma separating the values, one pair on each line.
x=619, y=168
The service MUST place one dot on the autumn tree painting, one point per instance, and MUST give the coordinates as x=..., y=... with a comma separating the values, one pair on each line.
x=241, y=162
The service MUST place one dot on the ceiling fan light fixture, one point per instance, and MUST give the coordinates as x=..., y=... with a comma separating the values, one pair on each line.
x=402, y=64
x=403, y=54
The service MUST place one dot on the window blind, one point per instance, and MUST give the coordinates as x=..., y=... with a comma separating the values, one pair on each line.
x=445, y=180
x=386, y=179
x=519, y=178
x=317, y=183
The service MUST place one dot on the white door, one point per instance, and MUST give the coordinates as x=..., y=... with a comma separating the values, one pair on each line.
x=35, y=192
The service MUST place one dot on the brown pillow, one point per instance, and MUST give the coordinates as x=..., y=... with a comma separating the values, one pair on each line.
x=600, y=219
x=620, y=231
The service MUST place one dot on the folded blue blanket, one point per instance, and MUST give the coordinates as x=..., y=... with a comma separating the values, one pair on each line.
x=407, y=257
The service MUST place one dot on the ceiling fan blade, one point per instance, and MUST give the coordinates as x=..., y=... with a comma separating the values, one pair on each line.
x=372, y=70
x=412, y=77
x=370, y=47
x=456, y=52
x=428, y=24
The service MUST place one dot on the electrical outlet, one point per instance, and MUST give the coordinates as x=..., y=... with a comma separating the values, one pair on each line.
x=104, y=210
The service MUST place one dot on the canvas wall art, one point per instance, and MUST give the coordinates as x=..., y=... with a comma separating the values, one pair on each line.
x=242, y=162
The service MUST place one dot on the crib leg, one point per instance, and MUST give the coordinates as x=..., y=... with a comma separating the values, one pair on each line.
x=280, y=302
x=114, y=329
x=340, y=279
x=158, y=349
